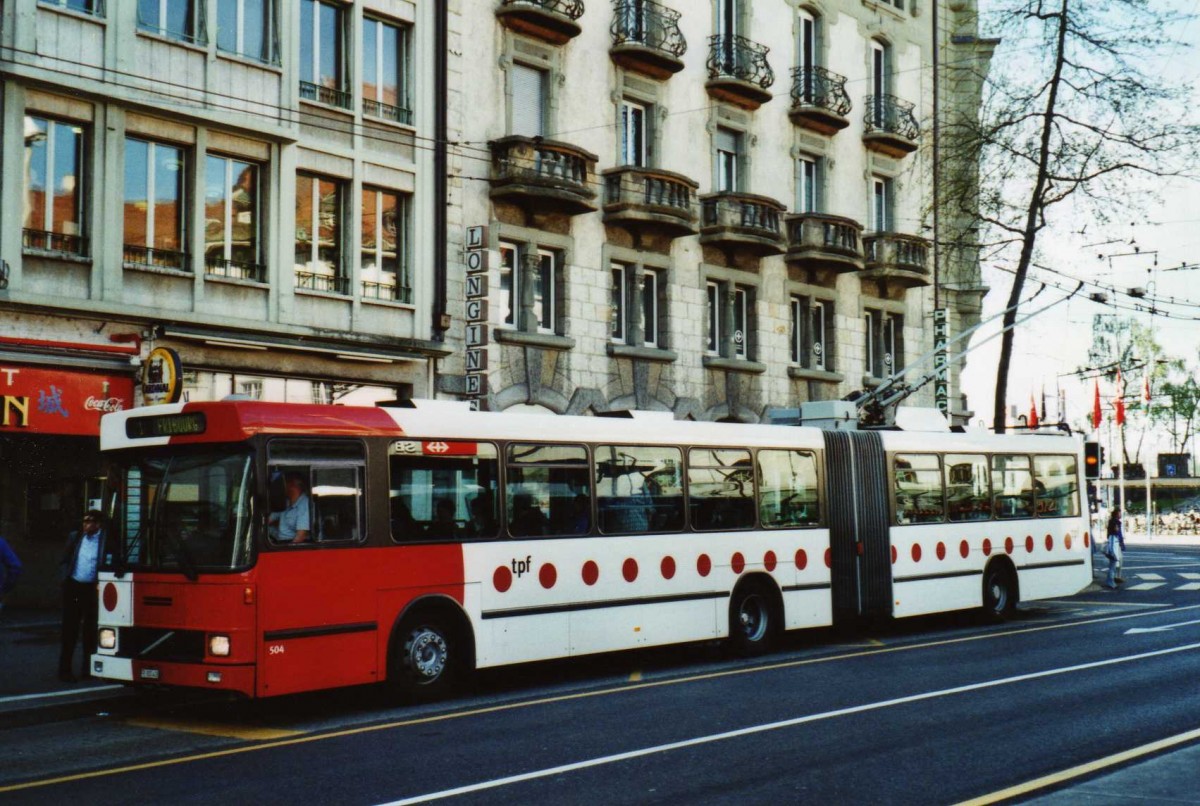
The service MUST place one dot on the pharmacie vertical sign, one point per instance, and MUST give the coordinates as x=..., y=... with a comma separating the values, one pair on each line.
x=941, y=359
x=476, y=336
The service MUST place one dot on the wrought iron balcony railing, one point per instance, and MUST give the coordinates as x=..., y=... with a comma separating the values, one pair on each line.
x=816, y=86
x=156, y=258
x=738, y=57
x=887, y=114
x=378, y=109
x=55, y=242
x=325, y=95
x=642, y=22
x=572, y=9
x=234, y=269
x=331, y=283
x=386, y=291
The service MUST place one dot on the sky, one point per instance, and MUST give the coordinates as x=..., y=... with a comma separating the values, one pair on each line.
x=1140, y=250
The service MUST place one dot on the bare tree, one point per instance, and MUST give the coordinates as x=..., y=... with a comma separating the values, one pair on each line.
x=1073, y=112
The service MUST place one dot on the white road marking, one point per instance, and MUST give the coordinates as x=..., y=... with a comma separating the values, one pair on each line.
x=48, y=694
x=1191, y=586
x=1150, y=576
x=1189, y=576
x=1162, y=628
x=1110, y=603
x=771, y=726
x=1145, y=586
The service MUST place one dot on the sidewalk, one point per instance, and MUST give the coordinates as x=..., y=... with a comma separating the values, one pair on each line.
x=29, y=664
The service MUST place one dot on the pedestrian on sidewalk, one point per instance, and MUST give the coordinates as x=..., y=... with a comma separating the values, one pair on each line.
x=1114, y=548
x=10, y=569
x=81, y=556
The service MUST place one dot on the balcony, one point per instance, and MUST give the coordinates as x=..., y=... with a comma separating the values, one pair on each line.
x=819, y=100
x=141, y=257
x=324, y=95
x=646, y=199
x=324, y=281
x=731, y=220
x=543, y=175
x=647, y=39
x=889, y=126
x=54, y=243
x=825, y=242
x=901, y=260
x=553, y=21
x=234, y=269
x=738, y=71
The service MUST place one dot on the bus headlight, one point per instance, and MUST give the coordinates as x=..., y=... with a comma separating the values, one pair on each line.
x=218, y=646
x=107, y=638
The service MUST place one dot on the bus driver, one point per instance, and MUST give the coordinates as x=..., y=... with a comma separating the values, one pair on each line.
x=292, y=525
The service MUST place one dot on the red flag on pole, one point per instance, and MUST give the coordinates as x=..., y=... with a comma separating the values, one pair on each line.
x=1033, y=414
x=1146, y=388
x=1119, y=402
x=1097, y=412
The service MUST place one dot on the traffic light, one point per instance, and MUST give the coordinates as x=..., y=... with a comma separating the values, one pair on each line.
x=1092, y=460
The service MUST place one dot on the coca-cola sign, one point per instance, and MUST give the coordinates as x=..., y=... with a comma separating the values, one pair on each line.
x=104, y=405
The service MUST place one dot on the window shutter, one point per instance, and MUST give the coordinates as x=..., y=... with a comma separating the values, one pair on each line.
x=528, y=101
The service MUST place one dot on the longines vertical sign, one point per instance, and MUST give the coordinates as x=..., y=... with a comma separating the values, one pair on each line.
x=941, y=359
x=476, y=337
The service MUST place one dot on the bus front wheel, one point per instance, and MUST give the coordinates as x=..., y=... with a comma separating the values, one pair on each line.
x=999, y=591
x=426, y=658
x=753, y=621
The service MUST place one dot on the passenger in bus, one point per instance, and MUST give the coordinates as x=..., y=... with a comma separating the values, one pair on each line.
x=404, y=525
x=580, y=522
x=443, y=523
x=483, y=516
x=527, y=520
x=294, y=523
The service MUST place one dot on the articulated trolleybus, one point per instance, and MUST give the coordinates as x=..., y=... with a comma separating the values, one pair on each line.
x=271, y=548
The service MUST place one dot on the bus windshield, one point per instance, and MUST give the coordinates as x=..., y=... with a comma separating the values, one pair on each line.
x=186, y=511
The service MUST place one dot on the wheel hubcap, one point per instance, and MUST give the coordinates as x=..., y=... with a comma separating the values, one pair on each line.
x=427, y=654
x=753, y=618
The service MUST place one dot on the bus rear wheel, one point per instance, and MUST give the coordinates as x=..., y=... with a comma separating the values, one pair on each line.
x=753, y=621
x=426, y=658
x=999, y=591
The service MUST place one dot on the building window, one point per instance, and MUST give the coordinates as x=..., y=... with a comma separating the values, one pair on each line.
x=741, y=321
x=322, y=70
x=54, y=187
x=728, y=155
x=95, y=7
x=319, y=211
x=808, y=185
x=650, y=313
x=812, y=333
x=386, y=68
x=880, y=83
x=530, y=278
x=176, y=19
x=528, y=112
x=155, y=204
x=634, y=117
x=713, y=347
x=247, y=28
x=385, y=235
x=635, y=305
x=730, y=319
x=884, y=343
x=806, y=54
x=619, y=272
x=881, y=204
x=232, y=219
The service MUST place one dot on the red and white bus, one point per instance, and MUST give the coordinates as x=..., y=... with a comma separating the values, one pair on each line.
x=435, y=540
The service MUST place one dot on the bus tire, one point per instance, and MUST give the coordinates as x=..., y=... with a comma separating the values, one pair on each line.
x=754, y=619
x=1000, y=591
x=428, y=657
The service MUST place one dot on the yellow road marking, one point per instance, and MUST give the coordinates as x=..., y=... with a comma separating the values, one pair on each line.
x=494, y=709
x=635, y=677
x=1084, y=769
x=215, y=729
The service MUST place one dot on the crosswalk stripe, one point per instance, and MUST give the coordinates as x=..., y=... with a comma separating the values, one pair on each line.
x=1150, y=575
x=1191, y=586
x=1146, y=586
x=1189, y=576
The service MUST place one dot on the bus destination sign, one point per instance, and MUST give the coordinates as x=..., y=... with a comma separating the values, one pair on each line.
x=165, y=425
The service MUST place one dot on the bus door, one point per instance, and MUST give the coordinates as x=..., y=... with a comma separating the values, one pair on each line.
x=858, y=524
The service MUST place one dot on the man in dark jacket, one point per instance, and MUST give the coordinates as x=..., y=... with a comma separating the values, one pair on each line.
x=81, y=557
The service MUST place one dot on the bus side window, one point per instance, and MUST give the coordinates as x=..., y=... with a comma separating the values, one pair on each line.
x=316, y=491
x=968, y=491
x=1057, y=486
x=1012, y=487
x=788, y=489
x=918, y=487
x=720, y=489
x=443, y=490
x=548, y=490
x=638, y=489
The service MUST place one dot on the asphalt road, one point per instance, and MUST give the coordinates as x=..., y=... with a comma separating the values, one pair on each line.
x=1086, y=699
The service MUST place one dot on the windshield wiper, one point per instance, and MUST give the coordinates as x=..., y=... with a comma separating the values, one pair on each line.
x=186, y=563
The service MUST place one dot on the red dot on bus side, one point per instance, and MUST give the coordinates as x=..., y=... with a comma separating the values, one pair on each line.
x=668, y=567
x=1067, y=541
x=1087, y=540
x=829, y=558
x=769, y=561
x=110, y=597
x=591, y=573
x=502, y=579
x=916, y=552
x=703, y=565
x=547, y=575
x=1050, y=543
x=737, y=562
x=801, y=559
x=964, y=549
x=1029, y=543
x=1008, y=545
x=941, y=550
x=629, y=570
x=987, y=547
x=895, y=555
